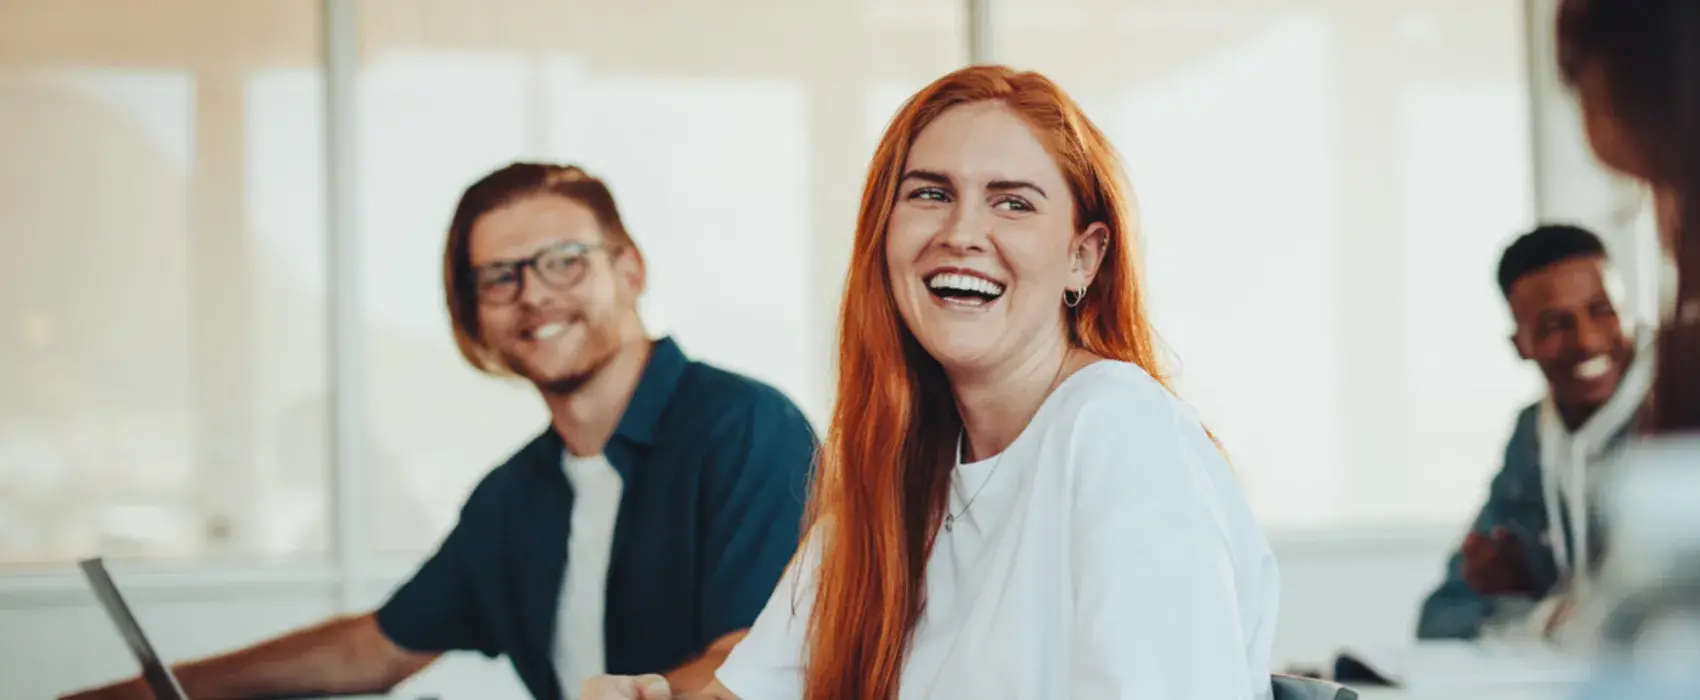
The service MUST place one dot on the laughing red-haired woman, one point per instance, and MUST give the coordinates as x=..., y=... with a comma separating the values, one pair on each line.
x=1010, y=503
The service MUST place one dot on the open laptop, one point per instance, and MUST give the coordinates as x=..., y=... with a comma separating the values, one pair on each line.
x=155, y=672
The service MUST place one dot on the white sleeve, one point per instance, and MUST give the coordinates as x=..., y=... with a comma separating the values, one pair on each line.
x=767, y=664
x=1156, y=611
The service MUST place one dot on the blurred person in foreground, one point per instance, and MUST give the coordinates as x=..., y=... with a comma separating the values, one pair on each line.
x=641, y=532
x=1635, y=67
x=1528, y=553
x=1011, y=502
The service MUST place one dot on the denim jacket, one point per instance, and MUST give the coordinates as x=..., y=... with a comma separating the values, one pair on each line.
x=1518, y=503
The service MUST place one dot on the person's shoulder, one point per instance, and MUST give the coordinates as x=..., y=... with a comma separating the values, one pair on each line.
x=727, y=387
x=752, y=432
x=1109, y=392
x=728, y=399
x=1126, y=431
x=1133, y=444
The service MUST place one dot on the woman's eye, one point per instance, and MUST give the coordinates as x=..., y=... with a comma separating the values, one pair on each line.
x=1012, y=204
x=930, y=194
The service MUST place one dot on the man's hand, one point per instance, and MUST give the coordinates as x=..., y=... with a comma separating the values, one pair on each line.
x=650, y=687
x=1494, y=564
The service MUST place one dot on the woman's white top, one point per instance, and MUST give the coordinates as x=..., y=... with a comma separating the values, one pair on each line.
x=1111, y=554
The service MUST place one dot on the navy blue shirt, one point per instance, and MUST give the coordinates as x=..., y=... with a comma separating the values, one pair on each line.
x=715, y=470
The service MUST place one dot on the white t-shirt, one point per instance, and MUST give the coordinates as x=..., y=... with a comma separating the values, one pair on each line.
x=1111, y=555
x=578, y=619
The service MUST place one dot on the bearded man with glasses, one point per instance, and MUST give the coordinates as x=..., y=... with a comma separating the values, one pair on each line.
x=642, y=532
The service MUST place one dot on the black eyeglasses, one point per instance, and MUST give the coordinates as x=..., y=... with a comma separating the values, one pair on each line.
x=560, y=267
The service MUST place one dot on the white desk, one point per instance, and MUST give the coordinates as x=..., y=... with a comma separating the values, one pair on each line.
x=1473, y=671
x=1497, y=692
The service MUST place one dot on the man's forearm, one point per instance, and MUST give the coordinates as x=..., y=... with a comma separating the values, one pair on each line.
x=698, y=673
x=344, y=655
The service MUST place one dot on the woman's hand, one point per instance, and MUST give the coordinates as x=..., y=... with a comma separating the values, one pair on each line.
x=649, y=687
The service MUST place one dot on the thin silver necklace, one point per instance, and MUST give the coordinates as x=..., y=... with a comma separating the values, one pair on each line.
x=949, y=518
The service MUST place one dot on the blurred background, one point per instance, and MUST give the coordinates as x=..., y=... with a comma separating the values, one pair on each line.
x=225, y=363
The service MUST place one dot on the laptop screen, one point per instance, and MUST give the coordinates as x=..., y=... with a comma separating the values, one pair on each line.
x=155, y=673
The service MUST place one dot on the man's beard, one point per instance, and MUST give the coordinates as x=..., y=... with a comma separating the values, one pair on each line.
x=570, y=384
x=599, y=350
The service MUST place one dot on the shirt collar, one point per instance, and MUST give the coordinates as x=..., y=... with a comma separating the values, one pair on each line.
x=654, y=391
x=638, y=425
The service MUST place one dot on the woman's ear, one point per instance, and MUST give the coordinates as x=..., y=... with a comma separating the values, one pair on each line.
x=1089, y=248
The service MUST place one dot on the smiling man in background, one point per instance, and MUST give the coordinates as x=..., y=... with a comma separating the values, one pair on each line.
x=640, y=533
x=1530, y=552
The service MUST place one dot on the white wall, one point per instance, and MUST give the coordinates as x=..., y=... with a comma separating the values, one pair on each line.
x=1340, y=590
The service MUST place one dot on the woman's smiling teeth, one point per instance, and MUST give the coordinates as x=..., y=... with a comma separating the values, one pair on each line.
x=965, y=290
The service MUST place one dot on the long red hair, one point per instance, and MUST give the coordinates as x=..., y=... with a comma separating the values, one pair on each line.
x=885, y=466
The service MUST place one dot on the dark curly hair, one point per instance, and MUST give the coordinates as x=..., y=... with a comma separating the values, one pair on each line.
x=1547, y=244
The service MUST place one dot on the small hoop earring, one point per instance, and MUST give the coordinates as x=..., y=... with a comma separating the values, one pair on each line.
x=1072, y=297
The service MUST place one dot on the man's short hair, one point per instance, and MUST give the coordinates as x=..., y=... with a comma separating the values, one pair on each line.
x=1546, y=245
x=511, y=183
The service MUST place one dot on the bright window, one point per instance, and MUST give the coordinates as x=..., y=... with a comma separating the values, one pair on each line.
x=1324, y=187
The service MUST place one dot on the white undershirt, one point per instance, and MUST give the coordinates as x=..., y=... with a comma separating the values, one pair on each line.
x=1112, y=554
x=578, y=619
